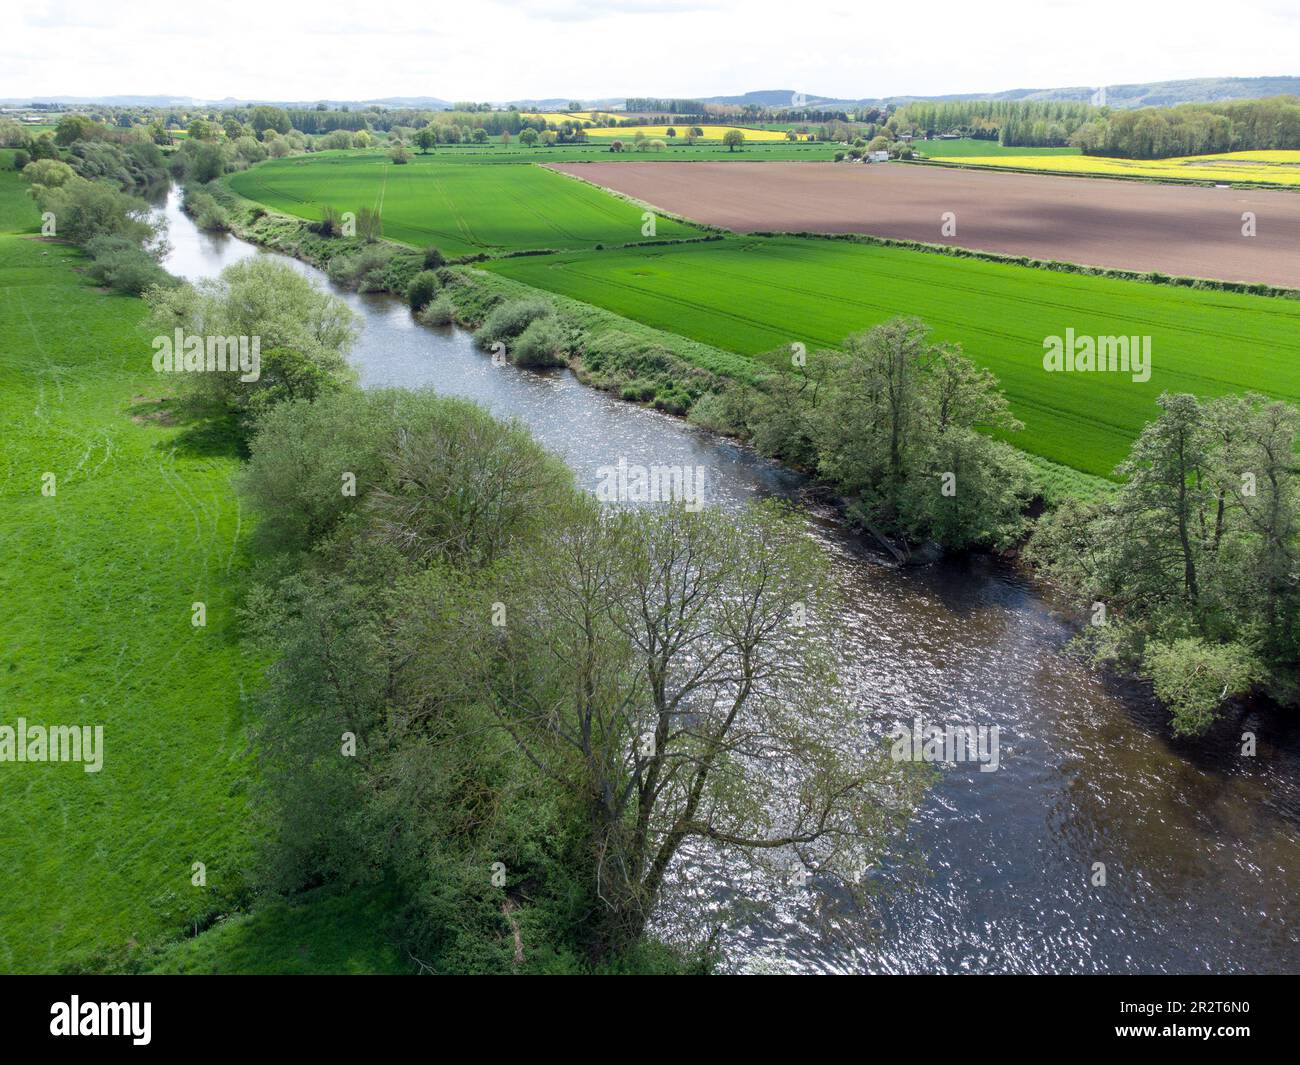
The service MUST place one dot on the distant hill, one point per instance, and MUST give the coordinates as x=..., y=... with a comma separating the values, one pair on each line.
x=430, y=102
x=1142, y=94
x=1145, y=94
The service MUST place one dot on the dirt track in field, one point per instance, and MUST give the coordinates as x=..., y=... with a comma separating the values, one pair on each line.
x=1188, y=231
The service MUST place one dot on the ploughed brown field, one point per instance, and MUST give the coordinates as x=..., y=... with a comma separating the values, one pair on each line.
x=1172, y=229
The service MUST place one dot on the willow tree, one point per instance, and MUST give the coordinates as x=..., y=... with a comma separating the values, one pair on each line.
x=673, y=674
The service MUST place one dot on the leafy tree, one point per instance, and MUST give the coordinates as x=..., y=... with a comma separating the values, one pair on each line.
x=263, y=298
x=426, y=139
x=733, y=139
x=424, y=286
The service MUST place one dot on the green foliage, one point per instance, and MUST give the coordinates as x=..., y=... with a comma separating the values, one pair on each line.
x=438, y=311
x=1194, y=129
x=87, y=209
x=1193, y=557
x=49, y=173
x=1193, y=678
x=303, y=334
x=124, y=266
x=747, y=295
x=542, y=343
x=424, y=286
x=364, y=269
x=206, y=211
x=508, y=320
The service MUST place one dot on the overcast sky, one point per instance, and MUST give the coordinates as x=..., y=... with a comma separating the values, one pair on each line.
x=499, y=50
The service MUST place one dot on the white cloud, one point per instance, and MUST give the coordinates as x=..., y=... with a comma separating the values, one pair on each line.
x=496, y=49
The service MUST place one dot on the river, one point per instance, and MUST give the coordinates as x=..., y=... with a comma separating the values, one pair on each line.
x=1200, y=844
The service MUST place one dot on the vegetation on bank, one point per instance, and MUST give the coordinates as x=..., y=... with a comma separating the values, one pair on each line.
x=749, y=295
x=1188, y=573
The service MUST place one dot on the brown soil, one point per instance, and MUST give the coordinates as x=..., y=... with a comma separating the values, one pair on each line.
x=1181, y=230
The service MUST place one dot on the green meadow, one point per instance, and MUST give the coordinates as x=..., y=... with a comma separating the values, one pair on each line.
x=970, y=146
x=461, y=207
x=98, y=582
x=751, y=294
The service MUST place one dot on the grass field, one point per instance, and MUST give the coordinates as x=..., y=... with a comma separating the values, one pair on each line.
x=97, y=583
x=970, y=147
x=711, y=132
x=460, y=207
x=319, y=933
x=676, y=150
x=749, y=295
x=1273, y=167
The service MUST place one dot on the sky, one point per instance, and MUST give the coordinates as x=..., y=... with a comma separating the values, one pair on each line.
x=495, y=50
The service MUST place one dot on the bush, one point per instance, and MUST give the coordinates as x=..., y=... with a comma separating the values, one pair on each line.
x=124, y=266
x=541, y=344
x=50, y=173
x=88, y=209
x=207, y=213
x=508, y=320
x=362, y=270
x=433, y=258
x=21, y=159
x=639, y=391
x=438, y=311
x=424, y=286
x=725, y=412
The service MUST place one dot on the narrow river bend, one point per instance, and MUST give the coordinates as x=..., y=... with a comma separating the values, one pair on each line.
x=1201, y=845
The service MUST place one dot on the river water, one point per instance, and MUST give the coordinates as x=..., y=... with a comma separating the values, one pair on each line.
x=1201, y=845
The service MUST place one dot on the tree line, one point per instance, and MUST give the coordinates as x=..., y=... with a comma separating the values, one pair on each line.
x=1194, y=129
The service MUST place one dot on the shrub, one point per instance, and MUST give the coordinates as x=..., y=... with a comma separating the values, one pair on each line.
x=639, y=391
x=21, y=159
x=541, y=344
x=433, y=258
x=207, y=213
x=124, y=266
x=438, y=311
x=423, y=287
x=50, y=173
x=363, y=269
x=89, y=209
x=508, y=320
x=726, y=411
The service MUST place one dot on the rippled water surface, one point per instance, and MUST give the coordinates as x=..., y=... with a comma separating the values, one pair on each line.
x=1201, y=846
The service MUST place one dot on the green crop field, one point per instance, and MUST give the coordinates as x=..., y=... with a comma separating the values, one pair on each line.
x=749, y=295
x=969, y=146
x=97, y=582
x=461, y=207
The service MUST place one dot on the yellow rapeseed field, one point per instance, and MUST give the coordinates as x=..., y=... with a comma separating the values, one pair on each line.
x=1275, y=167
x=711, y=133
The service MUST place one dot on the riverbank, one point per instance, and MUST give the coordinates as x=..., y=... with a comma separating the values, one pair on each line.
x=646, y=365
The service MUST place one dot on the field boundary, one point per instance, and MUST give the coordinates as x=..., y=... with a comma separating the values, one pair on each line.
x=1057, y=480
x=1155, y=277
x=1060, y=266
